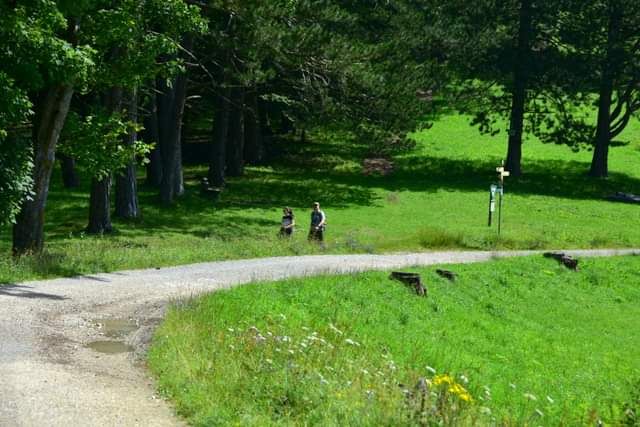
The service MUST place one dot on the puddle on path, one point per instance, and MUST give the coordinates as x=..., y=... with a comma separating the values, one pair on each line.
x=116, y=328
x=109, y=347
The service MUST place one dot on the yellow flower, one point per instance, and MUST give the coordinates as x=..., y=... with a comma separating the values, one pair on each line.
x=443, y=379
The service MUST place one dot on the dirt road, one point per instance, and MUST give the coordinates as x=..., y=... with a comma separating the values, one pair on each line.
x=49, y=374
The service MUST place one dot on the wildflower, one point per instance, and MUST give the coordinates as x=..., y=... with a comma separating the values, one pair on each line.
x=550, y=400
x=231, y=330
x=539, y=412
x=364, y=371
x=269, y=361
x=282, y=316
x=334, y=329
x=232, y=347
x=352, y=342
x=277, y=350
x=370, y=394
x=392, y=366
x=432, y=370
x=443, y=379
x=530, y=396
x=303, y=344
x=291, y=351
x=464, y=379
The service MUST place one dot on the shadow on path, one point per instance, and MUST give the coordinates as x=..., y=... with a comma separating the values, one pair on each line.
x=22, y=291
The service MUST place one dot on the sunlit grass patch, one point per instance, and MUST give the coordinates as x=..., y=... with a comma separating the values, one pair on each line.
x=512, y=342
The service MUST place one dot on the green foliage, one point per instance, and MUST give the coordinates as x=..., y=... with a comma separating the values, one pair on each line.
x=97, y=142
x=15, y=176
x=513, y=342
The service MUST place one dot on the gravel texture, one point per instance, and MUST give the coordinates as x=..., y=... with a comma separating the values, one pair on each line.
x=48, y=377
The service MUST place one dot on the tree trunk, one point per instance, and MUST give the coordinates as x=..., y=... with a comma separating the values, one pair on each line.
x=150, y=135
x=253, y=150
x=520, y=76
x=217, y=160
x=235, y=141
x=600, y=161
x=99, y=209
x=171, y=102
x=100, y=197
x=126, y=182
x=28, y=232
x=70, y=177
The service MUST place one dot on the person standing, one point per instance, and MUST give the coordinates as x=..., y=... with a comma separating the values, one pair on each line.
x=288, y=223
x=318, y=221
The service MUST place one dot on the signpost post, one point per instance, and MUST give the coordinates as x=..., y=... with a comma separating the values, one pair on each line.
x=499, y=190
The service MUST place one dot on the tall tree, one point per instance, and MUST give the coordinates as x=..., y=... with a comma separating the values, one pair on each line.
x=519, y=90
x=600, y=43
x=42, y=59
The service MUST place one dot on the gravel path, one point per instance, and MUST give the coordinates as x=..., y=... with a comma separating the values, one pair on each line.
x=48, y=377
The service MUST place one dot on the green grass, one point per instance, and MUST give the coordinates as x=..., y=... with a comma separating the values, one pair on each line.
x=527, y=333
x=437, y=198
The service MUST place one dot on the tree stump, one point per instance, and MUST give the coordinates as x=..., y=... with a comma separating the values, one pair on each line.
x=410, y=279
x=450, y=275
x=566, y=260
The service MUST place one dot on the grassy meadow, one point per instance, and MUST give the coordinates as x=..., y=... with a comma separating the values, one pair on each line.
x=511, y=342
x=436, y=198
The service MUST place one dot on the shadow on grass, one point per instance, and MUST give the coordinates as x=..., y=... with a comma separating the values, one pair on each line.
x=316, y=171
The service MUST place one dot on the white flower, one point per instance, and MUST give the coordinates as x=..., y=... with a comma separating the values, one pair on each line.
x=539, y=412
x=291, y=351
x=352, y=342
x=549, y=399
x=334, y=329
x=530, y=396
x=432, y=370
x=364, y=371
x=464, y=379
x=269, y=361
x=231, y=330
x=282, y=316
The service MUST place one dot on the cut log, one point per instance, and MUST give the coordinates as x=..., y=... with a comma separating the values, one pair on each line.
x=566, y=260
x=410, y=279
x=447, y=274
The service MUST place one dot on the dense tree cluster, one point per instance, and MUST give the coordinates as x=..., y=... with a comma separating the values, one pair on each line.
x=103, y=84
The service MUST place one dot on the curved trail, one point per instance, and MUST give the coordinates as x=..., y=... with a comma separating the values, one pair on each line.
x=49, y=378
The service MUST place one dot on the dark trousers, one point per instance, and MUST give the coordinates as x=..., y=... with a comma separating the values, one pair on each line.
x=316, y=234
